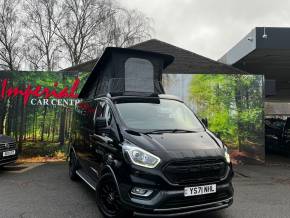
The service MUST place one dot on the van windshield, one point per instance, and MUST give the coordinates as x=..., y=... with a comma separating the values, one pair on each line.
x=158, y=114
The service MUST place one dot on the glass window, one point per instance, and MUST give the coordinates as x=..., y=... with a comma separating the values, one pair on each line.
x=139, y=75
x=108, y=115
x=158, y=115
x=100, y=109
x=103, y=111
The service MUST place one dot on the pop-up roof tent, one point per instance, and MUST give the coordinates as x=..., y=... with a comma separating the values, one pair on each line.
x=123, y=70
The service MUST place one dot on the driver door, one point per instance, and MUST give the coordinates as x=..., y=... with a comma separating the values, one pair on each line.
x=102, y=140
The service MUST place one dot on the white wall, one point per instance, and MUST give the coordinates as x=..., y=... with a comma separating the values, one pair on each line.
x=277, y=108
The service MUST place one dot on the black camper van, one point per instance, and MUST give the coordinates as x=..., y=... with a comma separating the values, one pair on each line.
x=141, y=151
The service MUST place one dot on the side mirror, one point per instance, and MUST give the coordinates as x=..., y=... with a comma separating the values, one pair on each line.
x=100, y=123
x=205, y=122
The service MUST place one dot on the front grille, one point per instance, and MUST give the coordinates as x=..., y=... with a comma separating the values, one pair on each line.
x=195, y=171
x=6, y=146
x=195, y=200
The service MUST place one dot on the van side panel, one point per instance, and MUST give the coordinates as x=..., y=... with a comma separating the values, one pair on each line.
x=83, y=128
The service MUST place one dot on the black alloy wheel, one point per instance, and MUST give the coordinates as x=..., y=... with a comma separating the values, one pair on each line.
x=108, y=198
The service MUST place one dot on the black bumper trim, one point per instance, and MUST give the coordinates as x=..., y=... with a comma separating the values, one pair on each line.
x=188, y=210
x=7, y=162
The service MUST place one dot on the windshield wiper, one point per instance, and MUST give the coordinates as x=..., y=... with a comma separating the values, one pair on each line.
x=158, y=131
x=183, y=130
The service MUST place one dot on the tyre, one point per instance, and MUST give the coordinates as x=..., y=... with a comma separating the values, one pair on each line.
x=108, y=198
x=72, y=167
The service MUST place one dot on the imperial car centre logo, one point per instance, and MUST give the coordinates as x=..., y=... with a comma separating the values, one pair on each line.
x=40, y=95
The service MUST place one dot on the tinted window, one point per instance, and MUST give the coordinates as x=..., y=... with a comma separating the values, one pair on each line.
x=108, y=115
x=100, y=109
x=103, y=111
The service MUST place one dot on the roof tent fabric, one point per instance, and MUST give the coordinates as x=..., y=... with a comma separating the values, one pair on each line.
x=122, y=70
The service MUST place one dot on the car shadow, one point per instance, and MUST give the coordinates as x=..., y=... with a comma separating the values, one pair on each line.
x=215, y=214
x=2, y=171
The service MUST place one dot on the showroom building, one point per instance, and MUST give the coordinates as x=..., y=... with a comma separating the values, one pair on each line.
x=266, y=50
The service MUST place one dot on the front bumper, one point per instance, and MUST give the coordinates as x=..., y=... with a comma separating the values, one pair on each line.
x=169, y=201
x=185, y=211
x=7, y=160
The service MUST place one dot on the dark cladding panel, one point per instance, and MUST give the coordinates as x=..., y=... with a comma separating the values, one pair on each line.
x=273, y=38
x=270, y=87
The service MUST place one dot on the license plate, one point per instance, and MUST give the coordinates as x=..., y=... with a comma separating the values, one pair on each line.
x=199, y=190
x=9, y=153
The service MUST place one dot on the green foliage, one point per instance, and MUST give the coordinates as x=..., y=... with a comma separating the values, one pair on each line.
x=43, y=149
x=233, y=105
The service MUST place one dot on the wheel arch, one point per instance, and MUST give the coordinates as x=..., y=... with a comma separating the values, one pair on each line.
x=72, y=150
x=109, y=169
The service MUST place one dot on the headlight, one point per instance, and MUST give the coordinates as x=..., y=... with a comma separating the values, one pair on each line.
x=227, y=156
x=139, y=156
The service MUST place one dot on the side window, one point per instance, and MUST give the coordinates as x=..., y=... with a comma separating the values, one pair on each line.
x=100, y=110
x=91, y=93
x=103, y=111
x=108, y=115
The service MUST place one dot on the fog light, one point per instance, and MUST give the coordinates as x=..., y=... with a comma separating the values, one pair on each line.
x=141, y=192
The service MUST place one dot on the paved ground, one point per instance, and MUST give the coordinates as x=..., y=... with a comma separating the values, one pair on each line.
x=46, y=192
